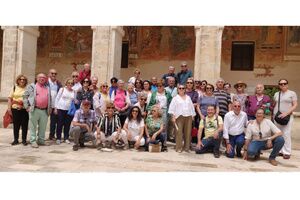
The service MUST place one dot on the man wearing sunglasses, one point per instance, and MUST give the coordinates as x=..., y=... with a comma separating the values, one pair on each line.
x=54, y=85
x=235, y=123
x=77, y=85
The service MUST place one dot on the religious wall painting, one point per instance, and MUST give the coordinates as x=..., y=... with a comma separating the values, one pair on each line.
x=292, y=43
x=78, y=40
x=182, y=42
x=43, y=41
x=149, y=42
x=57, y=38
x=166, y=42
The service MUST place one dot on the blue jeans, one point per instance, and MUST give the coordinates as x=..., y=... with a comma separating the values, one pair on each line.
x=160, y=138
x=255, y=147
x=238, y=141
x=209, y=145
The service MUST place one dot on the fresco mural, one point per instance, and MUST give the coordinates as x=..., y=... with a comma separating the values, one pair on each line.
x=161, y=42
x=292, y=45
x=268, y=41
x=64, y=41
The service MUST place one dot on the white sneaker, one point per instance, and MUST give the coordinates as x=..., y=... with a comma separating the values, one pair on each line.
x=67, y=141
x=58, y=142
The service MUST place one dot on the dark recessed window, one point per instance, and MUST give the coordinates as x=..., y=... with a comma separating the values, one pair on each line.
x=242, y=56
x=125, y=49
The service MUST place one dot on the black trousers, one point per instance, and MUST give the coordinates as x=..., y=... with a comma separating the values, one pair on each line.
x=53, y=123
x=20, y=118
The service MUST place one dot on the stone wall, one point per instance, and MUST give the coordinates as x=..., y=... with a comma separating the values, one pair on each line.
x=277, y=55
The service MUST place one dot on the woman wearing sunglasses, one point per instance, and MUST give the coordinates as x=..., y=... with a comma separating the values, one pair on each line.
x=287, y=104
x=17, y=110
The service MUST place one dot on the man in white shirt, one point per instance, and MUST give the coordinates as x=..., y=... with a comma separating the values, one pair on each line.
x=54, y=85
x=260, y=135
x=77, y=85
x=233, y=132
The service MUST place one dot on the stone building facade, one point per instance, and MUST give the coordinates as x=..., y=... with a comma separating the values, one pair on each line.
x=207, y=50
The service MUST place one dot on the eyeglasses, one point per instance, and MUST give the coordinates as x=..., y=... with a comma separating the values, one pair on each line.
x=74, y=76
x=53, y=73
x=237, y=106
x=203, y=84
x=86, y=81
x=189, y=82
x=239, y=86
x=282, y=84
x=208, y=88
x=110, y=107
x=136, y=111
x=143, y=99
x=105, y=86
x=197, y=82
x=181, y=88
x=70, y=83
x=159, y=86
x=42, y=77
x=153, y=110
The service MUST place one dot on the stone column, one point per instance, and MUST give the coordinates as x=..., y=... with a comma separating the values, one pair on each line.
x=208, y=53
x=107, y=52
x=27, y=51
x=19, y=55
x=9, y=59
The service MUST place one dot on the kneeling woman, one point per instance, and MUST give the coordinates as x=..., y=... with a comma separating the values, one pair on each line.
x=109, y=129
x=155, y=127
x=134, y=127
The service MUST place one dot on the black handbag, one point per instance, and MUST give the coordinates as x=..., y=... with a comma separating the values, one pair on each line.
x=281, y=121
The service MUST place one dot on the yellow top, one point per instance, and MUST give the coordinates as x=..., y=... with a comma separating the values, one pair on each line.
x=17, y=96
x=211, y=126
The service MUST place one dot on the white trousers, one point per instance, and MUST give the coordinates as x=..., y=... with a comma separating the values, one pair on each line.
x=122, y=136
x=286, y=130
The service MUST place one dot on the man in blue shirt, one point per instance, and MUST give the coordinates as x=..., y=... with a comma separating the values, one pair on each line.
x=184, y=74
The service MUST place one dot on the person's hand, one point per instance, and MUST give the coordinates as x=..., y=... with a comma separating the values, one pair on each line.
x=129, y=135
x=28, y=109
x=55, y=111
x=202, y=117
x=173, y=120
x=269, y=144
x=228, y=148
x=199, y=145
x=283, y=115
x=216, y=135
x=9, y=111
x=76, y=101
x=88, y=128
x=153, y=137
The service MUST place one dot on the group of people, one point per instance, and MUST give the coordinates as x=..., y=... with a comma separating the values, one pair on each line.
x=155, y=111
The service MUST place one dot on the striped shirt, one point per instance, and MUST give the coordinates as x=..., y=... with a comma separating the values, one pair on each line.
x=224, y=100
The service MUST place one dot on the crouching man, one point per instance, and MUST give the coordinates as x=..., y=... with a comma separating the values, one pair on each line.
x=109, y=129
x=260, y=135
x=83, y=125
x=213, y=126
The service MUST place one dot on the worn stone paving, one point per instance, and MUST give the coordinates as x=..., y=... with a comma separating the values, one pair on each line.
x=61, y=158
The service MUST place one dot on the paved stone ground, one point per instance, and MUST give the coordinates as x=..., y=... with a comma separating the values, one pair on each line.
x=61, y=158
